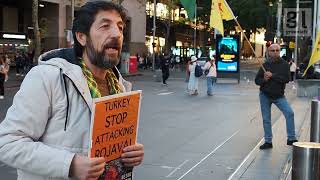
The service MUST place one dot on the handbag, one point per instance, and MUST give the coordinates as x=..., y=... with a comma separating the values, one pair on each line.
x=206, y=72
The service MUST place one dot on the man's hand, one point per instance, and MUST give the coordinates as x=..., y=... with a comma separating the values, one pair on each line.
x=83, y=168
x=132, y=155
x=267, y=75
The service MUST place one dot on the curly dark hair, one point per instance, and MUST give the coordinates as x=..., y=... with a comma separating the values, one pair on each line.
x=86, y=16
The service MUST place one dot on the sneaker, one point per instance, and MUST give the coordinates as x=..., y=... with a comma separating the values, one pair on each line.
x=290, y=142
x=266, y=146
x=1, y=97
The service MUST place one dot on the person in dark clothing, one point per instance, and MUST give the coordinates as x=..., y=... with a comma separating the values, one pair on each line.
x=272, y=85
x=165, y=64
x=3, y=72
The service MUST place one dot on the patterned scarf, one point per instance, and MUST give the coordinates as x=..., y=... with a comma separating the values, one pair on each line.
x=112, y=81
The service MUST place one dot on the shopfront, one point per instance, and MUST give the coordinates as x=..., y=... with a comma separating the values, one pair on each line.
x=12, y=43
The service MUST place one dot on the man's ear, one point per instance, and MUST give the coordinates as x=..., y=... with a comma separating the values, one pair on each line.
x=82, y=38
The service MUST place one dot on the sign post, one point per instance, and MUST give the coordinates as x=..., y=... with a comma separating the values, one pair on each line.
x=228, y=57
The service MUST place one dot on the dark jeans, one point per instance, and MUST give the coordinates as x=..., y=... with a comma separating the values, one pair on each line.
x=2, y=78
x=292, y=76
x=18, y=69
x=165, y=74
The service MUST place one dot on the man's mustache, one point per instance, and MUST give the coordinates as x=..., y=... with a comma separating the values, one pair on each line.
x=113, y=44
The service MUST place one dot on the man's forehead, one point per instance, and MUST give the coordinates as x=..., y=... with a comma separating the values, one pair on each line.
x=274, y=46
x=109, y=15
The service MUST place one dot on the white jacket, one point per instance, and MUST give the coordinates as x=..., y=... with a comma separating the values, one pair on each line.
x=49, y=119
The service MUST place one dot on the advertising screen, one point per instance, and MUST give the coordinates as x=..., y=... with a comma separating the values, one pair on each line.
x=227, y=53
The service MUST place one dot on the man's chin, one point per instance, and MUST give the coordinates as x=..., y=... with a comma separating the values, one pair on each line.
x=110, y=63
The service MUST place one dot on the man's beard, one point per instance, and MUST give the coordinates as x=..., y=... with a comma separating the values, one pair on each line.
x=274, y=59
x=99, y=58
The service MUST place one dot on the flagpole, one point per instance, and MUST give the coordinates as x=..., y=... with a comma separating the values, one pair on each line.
x=245, y=36
x=315, y=23
x=296, y=35
x=195, y=29
x=154, y=34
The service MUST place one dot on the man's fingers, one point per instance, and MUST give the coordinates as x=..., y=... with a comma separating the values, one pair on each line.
x=133, y=154
x=96, y=161
x=132, y=160
x=135, y=147
x=97, y=168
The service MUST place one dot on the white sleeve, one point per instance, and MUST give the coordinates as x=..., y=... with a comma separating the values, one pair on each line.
x=206, y=66
x=23, y=127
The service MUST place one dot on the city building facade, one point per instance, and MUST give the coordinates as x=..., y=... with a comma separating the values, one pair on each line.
x=55, y=22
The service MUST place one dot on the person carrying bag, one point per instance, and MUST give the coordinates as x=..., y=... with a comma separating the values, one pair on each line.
x=211, y=75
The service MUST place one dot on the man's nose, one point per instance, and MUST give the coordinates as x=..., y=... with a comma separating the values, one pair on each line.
x=115, y=32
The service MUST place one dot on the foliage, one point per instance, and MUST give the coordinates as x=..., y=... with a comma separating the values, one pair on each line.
x=252, y=14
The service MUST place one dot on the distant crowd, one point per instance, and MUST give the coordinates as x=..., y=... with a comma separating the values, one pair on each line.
x=23, y=62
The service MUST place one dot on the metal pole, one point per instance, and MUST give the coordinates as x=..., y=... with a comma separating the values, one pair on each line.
x=279, y=14
x=318, y=24
x=315, y=22
x=296, y=38
x=154, y=34
x=315, y=121
x=297, y=29
x=195, y=29
x=305, y=161
x=318, y=16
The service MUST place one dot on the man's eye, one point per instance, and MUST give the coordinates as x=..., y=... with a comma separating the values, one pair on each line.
x=105, y=26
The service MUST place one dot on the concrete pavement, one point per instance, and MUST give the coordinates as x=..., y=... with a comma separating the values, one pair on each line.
x=273, y=163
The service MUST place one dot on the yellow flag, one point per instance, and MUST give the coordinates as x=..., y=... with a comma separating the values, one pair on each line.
x=215, y=17
x=315, y=56
x=225, y=10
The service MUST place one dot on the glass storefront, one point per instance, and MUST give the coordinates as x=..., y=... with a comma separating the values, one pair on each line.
x=12, y=43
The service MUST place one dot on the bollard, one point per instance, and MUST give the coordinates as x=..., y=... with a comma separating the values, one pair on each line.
x=315, y=121
x=305, y=161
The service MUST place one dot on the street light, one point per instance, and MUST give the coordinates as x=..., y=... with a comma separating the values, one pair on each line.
x=270, y=4
x=154, y=34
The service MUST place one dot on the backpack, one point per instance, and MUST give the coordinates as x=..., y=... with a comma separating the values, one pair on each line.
x=198, y=71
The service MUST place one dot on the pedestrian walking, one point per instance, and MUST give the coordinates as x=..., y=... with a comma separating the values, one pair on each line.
x=24, y=64
x=165, y=65
x=46, y=132
x=3, y=75
x=19, y=64
x=7, y=64
x=293, y=69
x=272, y=85
x=210, y=71
x=193, y=80
x=187, y=69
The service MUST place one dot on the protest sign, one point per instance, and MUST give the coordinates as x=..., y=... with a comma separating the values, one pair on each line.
x=114, y=125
